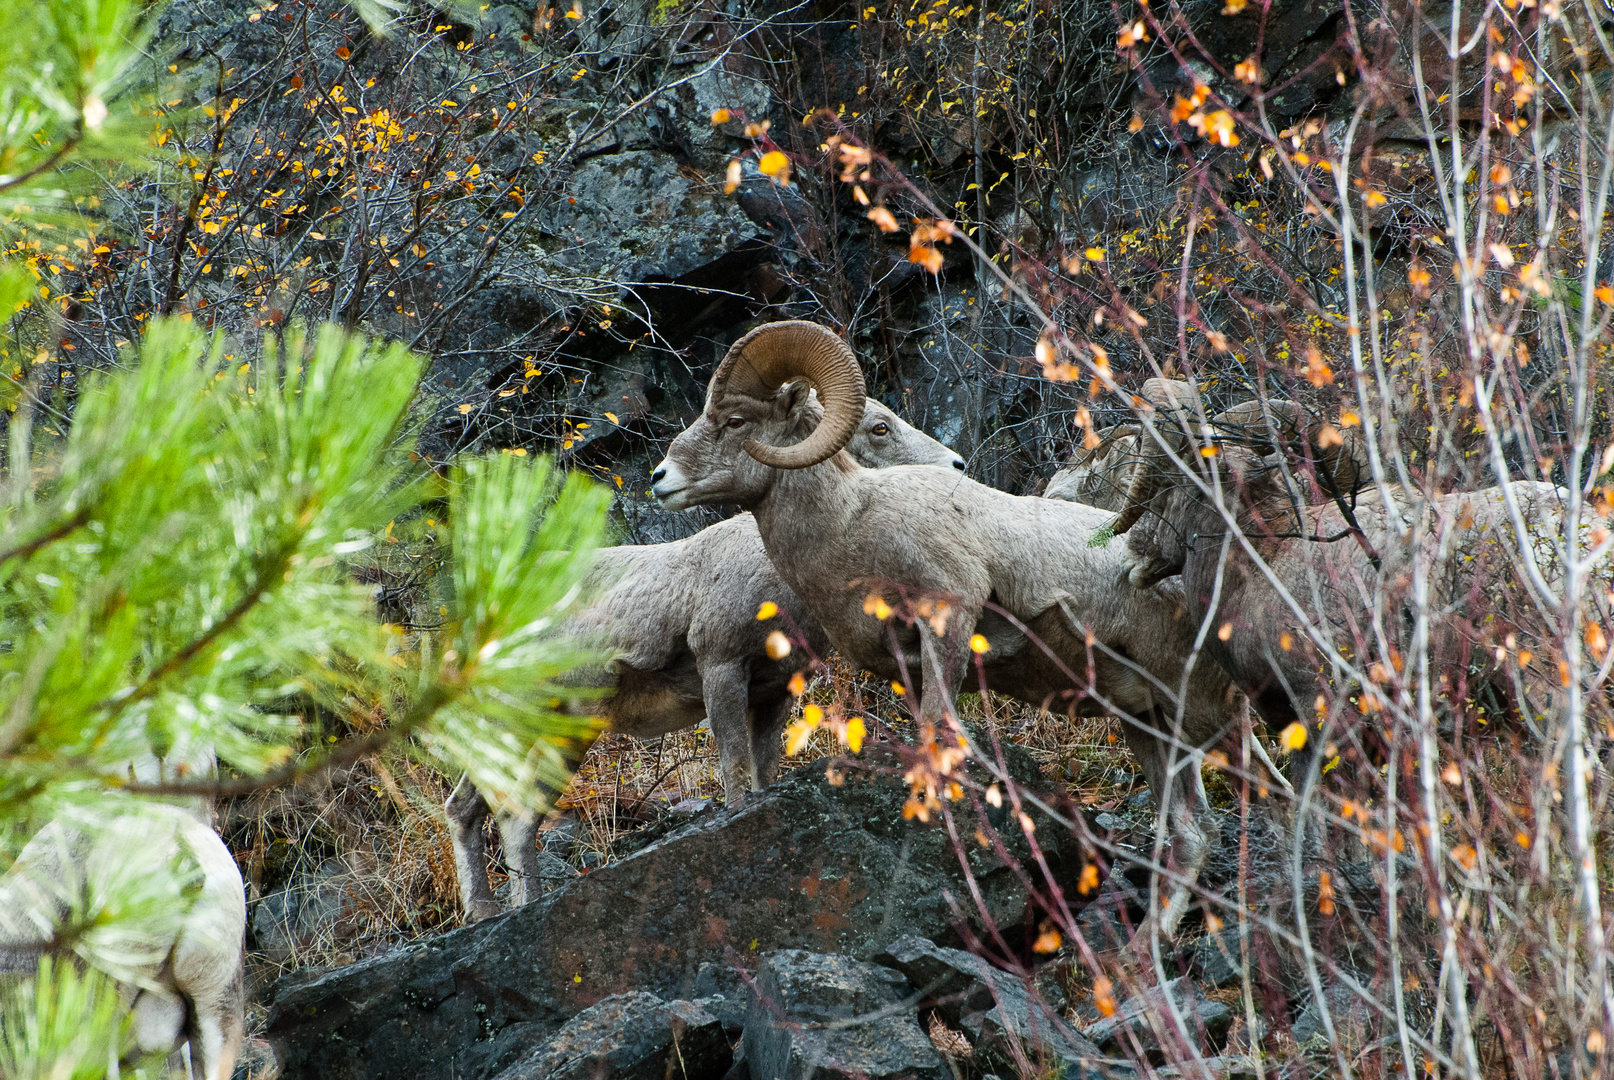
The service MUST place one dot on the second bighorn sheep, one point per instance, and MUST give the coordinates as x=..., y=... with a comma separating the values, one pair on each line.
x=1333, y=551
x=684, y=615
x=1078, y=637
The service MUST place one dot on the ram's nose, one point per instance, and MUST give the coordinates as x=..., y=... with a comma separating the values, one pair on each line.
x=958, y=463
x=666, y=482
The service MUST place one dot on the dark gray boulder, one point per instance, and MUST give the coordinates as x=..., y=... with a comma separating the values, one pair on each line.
x=1219, y=957
x=1009, y=1023
x=808, y=864
x=633, y=1036
x=832, y=1017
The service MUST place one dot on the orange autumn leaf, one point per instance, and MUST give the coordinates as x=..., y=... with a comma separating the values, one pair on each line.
x=1103, y=996
x=927, y=256
x=1048, y=941
x=883, y=218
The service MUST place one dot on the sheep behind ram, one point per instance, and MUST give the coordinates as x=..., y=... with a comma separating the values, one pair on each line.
x=1321, y=545
x=684, y=617
x=1076, y=637
x=1100, y=476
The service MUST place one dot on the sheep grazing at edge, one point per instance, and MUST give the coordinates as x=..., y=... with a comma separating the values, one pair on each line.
x=684, y=617
x=1033, y=576
x=1332, y=548
x=187, y=991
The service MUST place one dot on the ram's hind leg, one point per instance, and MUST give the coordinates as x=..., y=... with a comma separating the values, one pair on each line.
x=518, y=833
x=726, y=688
x=218, y=1025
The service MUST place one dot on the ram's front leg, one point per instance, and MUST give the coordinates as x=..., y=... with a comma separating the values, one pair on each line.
x=941, y=668
x=768, y=721
x=466, y=811
x=1184, y=818
x=726, y=688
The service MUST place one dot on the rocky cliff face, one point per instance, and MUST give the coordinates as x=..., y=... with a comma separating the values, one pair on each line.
x=540, y=198
x=832, y=868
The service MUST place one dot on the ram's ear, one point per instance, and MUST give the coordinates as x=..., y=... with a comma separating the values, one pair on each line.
x=793, y=398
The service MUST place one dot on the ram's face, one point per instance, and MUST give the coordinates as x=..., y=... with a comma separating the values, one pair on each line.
x=707, y=462
x=884, y=439
x=1155, y=547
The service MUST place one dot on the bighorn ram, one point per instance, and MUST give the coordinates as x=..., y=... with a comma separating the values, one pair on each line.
x=1077, y=636
x=684, y=615
x=1338, y=557
x=189, y=991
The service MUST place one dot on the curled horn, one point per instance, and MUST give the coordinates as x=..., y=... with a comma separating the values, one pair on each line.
x=1264, y=428
x=1175, y=403
x=768, y=357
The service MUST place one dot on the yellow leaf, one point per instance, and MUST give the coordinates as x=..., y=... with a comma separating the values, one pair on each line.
x=778, y=646
x=1325, y=894
x=796, y=685
x=732, y=180
x=1285, y=642
x=1375, y=198
x=1293, y=737
x=813, y=714
x=1604, y=293
x=720, y=116
x=898, y=689
x=465, y=409
x=775, y=164
x=1465, y=856
x=1089, y=879
x=855, y=733
x=979, y=644
x=1048, y=941
x=1094, y=254
x=611, y=416
x=767, y=611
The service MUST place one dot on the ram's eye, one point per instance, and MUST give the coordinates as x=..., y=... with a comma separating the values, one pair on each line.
x=736, y=421
x=882, y=428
